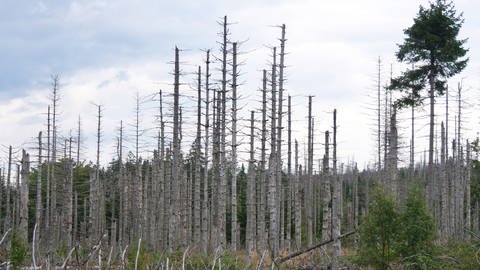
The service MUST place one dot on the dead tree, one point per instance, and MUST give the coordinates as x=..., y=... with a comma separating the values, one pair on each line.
x=223, y=175
x=205, y=205
x=326, y=229
x=53, y=180
x=38, y=200
x=8, y=215
x=196, y=189
x=289, y=191
x=278, y=154
x=309, y=194
x=273, y=232
x=23, y=207
x=234, y=225
x=261, y=187
x=337, y=199
x=251, y=215
x=298, y=202
x=175, y=203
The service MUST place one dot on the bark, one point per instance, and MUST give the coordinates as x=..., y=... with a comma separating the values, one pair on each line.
x=309, y=205
x=38, y=201
x=196, y=189
x=298, y=202
x=205, y=206
x=234, y=225
x=336, y=203
x=326, y=229
x=8, y=215
x=379, y=132
x=278, y=154
x=223, y=176
x=251, y=215
x=53, y=181
x=468, y=203
x=263, y=177
x=289, y=191
x=273, y=234
x=23, y=207
x=175, y=203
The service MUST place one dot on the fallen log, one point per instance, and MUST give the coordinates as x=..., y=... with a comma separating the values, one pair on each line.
x=298, y=253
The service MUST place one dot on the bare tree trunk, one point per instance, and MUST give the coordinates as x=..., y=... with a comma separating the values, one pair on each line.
x=431, y=179
x=175, y=203
x=336, y=202
x=444, y=188
x=8, y=216
x=205, y=209
x=196, y=191
x=272, y=179
x=298, y=202
x=251, y=220
x=25, y=176
x=326, y=229
x=379, y=132
x=289, y=191
x=69, y=197
x=278, y=154
x=234, y=150
x=53, y=181
x=309, y=196
x=223, y=176
x=47, y=217
x=38, y=202
x=468, y=218
x=262, y=183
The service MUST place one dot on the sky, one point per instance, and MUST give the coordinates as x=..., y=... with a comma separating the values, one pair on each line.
x=106, y=52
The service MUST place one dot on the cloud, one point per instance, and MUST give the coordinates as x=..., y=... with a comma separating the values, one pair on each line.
x=106, y=51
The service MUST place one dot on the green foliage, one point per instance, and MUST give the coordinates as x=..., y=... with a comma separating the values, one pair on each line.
x=431, y=44
x=379, y=231
x=459, y=255
x=18, y=251
x=417, y=232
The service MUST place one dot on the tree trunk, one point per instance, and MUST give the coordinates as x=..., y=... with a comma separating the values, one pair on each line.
x=205, y=208
x=198, y=178
x=38, y=201
x=234, y=150
x=175, y=199
x=272, y=177
x=25, y=176
x=251, y=220
x=336, y=203
x=263, y=177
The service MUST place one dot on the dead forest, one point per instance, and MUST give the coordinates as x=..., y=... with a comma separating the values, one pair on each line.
x=199, y=197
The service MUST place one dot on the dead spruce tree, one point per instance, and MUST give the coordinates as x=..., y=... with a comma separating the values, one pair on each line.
x=251, y=213
x=261, y=187
x=205, y=203
x=196, y=190
x=273, y=232
x=234, y=224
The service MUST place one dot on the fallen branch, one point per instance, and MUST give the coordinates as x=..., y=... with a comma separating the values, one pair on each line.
x=93, y=250
x=34, y=262
x=4, y=236
x=64, y=265
x=138, y=252
x=183, y=258
x=472, y=233
x=298, y=253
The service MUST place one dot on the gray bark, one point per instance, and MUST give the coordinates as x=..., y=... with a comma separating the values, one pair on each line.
x=273, y=233
x=234, y=227
x=251, y=215
x=23, y=207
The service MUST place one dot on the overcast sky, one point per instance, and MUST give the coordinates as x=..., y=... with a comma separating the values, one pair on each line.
x=107, y=51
